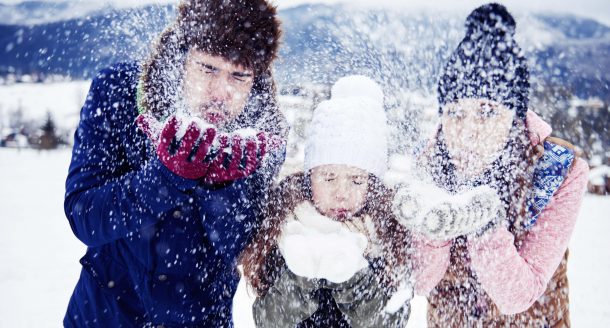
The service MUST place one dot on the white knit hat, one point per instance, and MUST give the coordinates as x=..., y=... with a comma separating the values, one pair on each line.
x=350, y=128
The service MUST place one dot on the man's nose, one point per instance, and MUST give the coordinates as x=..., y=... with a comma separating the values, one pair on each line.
x=220, y=90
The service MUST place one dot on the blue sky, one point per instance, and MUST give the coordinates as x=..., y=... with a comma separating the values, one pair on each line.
x=597, y=9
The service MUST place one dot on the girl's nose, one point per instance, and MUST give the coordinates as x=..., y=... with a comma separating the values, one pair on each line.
x=340, y=194
x=340, y=191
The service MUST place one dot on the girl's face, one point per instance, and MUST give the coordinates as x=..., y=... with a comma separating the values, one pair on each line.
x=339, y=191
x=475, y=131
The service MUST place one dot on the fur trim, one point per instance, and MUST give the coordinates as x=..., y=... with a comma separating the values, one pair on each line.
x=246, y=33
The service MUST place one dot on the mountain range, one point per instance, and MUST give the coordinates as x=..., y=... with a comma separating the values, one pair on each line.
x=321, y=43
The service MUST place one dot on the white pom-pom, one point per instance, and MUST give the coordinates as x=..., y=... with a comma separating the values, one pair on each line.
x=357, y=86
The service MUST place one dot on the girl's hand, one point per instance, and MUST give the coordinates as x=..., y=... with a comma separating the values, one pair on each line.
x=334, y=256
x=291, y=300
x=363, y=300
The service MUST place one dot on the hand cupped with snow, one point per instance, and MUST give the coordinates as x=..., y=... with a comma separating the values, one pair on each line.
x=334, y=255
x=438, y=215
x=152, y=128
x=185, y=121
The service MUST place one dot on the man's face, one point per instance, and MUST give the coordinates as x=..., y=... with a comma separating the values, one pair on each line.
x=216, y=90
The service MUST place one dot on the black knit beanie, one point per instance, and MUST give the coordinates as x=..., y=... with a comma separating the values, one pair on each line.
x=488, y=63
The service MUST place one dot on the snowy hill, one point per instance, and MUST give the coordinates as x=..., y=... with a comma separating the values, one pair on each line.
x=80, y=46
x=404, y=50
x=328, y=41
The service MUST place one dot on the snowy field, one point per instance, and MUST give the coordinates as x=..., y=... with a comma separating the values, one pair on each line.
x=39, y=254
x=62, y=99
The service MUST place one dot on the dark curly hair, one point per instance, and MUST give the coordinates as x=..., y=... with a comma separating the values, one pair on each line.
x=245, y=33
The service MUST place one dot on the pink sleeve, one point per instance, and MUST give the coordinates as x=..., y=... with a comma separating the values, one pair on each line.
x=431, y=259
x=516, y=279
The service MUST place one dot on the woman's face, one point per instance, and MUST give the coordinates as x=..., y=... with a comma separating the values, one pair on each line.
x=475, y=131
x=339, y=191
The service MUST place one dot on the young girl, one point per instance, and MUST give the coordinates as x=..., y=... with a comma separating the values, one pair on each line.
x=512, y=272
x=329, y=252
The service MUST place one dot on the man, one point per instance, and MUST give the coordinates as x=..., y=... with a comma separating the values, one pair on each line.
x=165, y=201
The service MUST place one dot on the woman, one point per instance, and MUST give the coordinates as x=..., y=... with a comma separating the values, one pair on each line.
x=512, y=271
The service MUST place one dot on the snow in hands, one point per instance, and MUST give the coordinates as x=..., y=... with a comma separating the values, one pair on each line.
x=435, y=213
x=317, y=247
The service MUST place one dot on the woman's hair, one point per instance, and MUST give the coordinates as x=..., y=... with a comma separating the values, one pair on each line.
x=510, y=175
x=261, y=261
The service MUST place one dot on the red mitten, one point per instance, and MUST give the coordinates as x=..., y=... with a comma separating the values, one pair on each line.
x=184, y=157
x=239, y=157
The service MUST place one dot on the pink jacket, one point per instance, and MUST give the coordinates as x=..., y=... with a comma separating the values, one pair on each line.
x=494, y=256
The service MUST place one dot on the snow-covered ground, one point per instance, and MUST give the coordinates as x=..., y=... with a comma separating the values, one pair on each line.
x=62, y=99
x=39, y=254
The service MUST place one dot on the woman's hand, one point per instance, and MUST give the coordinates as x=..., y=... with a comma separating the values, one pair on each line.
x=440, y=216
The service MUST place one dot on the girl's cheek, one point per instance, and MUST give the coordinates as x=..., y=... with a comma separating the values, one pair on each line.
x=361, y=196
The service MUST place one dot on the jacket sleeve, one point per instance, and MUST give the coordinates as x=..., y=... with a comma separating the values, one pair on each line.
x=430, y=261
x=232, y=212
x=291, y=300
x=105, y=198
x=362, y=299
x=516, y=279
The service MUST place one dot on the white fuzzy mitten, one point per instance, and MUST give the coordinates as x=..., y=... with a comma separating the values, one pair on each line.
x=300, y=258
x=438, y=215
x=332, y=255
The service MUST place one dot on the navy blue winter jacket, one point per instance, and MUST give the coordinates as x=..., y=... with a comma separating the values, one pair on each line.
x=161, y=249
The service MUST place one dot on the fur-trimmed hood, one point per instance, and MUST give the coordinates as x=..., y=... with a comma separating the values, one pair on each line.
x=231, y=29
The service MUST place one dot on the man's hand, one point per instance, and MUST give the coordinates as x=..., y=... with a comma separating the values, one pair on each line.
x=208, y=155
x=184, y=156
x=238, y=157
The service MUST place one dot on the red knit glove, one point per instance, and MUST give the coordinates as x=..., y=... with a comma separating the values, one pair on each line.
x=182, y=157
x=239, y=157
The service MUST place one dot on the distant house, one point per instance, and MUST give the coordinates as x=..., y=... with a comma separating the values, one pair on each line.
x=599, y=180
x=14, y=139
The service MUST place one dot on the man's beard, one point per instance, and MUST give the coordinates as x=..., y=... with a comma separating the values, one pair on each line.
x=215, y=113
